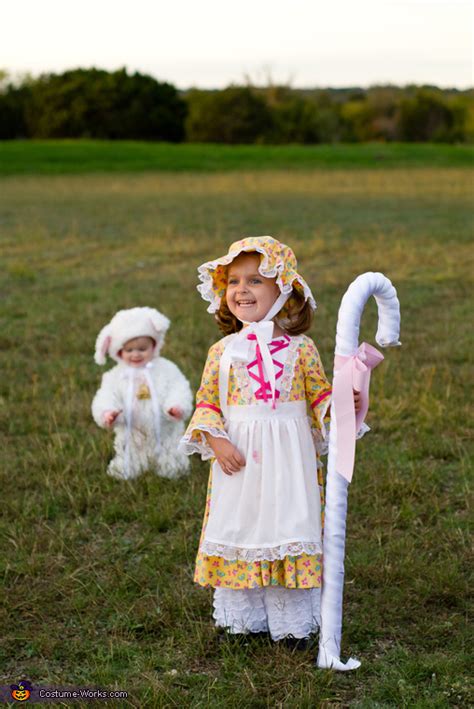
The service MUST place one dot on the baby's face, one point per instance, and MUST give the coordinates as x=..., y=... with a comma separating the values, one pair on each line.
x=138, y=352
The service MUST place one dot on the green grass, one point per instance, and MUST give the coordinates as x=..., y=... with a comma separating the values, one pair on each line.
x=97, y=574
x=81, y=156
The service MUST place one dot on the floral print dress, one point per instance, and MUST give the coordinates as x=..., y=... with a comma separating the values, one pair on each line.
x=245, y=558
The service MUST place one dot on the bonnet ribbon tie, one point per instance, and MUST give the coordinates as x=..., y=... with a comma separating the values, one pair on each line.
x=351, y=372
x=240, y=347
x=131, y=374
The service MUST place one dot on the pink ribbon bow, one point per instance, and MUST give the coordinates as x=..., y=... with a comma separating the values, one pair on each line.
x=351, y=373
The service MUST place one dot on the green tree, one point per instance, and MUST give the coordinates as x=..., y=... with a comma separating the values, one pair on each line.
x=371, y=115
x=296, y=121
x=92, y=103
x=299, y=117
x=427, y=116
x=234, y=115
x=13, y=103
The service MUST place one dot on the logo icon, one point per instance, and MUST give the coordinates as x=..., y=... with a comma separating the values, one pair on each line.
x=21, y=691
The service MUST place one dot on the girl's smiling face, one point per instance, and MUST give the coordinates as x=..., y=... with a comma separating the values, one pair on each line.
x=138, y=352
x=249, y=295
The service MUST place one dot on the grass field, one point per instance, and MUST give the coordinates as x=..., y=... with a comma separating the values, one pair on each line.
x=97, y=574
x=85, y=156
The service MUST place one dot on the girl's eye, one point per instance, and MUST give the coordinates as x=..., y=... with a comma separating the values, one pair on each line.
x=255, y=280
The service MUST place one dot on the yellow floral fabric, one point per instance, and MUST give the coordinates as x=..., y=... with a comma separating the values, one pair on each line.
x=308, y=383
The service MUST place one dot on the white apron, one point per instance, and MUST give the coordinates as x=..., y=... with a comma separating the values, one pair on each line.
x=271, y=508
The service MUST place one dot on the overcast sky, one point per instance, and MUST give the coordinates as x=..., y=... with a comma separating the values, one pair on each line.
x=211, y=43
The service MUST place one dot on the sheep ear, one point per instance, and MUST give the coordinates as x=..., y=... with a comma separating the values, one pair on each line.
x=102, y=345
x=160, y=322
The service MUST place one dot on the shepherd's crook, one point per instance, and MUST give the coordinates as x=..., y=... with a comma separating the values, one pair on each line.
x=352, y=366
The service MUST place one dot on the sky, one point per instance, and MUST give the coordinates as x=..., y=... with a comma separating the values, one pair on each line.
x=212, y=43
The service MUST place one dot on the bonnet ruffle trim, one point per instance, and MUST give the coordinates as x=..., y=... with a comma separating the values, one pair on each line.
x=208, y=293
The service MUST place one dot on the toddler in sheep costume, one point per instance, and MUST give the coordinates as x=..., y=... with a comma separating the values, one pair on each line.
x=144, y=398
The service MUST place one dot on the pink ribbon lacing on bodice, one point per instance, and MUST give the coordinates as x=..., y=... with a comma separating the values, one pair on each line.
x=264, y=392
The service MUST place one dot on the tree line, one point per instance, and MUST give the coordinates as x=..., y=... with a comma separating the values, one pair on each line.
x=94, y=103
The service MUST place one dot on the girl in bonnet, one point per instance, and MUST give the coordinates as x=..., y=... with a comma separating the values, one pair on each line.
x=144, y=398
x=260, y=418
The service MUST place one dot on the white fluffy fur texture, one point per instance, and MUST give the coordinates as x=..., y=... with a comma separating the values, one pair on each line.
x=172, y=389
x=126, y=325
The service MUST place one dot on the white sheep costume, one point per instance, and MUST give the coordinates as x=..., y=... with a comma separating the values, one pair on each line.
x=146, y=436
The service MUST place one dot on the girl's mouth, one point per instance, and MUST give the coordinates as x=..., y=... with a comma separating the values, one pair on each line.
x=246, y=303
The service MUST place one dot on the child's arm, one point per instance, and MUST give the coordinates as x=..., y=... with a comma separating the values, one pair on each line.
x=357, y=403
x=109, y=417
x=106, y=406
x=317, y=387
x=206, y=432
x=318, y=395
x=227, y=455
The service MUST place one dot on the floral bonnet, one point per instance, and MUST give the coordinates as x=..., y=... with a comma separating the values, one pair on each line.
x=277, y=260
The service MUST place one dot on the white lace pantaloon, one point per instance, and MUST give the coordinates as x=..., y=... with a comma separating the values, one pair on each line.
x=282, y=612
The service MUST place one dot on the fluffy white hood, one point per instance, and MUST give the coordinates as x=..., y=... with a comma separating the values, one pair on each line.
x=126, y=325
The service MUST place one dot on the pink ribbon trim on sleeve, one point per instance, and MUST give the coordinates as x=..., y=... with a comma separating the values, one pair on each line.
x=320, y=399
x=351, y=373
x=204, y=405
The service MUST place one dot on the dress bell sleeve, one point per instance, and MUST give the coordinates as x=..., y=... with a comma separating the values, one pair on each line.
x=207, y=416
x=318, y=393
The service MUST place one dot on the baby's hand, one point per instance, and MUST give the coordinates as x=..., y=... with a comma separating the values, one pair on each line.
x=228, y=456
x=357, y=401
x=176, y=412
x=110, y=417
